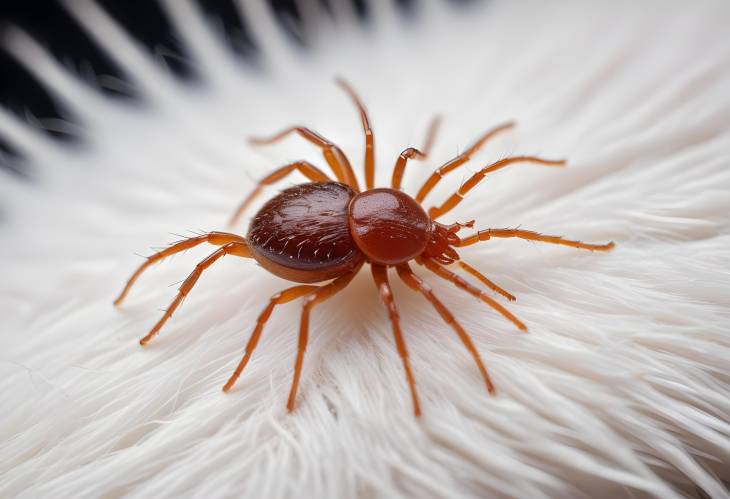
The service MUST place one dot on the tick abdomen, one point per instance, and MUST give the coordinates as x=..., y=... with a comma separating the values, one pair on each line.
x=302, y=234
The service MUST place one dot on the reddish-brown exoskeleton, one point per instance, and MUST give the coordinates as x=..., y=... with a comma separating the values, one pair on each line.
x=326, y=230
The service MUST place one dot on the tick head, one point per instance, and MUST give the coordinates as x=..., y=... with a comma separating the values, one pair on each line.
x=442, y=239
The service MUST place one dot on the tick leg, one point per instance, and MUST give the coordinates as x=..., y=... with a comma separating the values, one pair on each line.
x=473, y=181
x=215, y=238
x=484, y=235
x=459, y=160
x=433, y=128
x=417, y=284
x=471, y=270
x=400, y=165
x=380, y=275
x=369, y=137
x=413, y=153
x=282, y=297
x=332, y=154
x=462, y=284
x=307, y=169
x=321, y=294
x=235, y=248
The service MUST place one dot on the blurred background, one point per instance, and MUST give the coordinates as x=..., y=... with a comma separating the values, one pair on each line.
x=52, y=25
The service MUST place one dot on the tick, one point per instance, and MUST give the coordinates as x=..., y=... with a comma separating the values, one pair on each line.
x=326, y=230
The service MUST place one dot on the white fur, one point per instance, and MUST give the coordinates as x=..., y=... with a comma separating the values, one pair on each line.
x=620, y=389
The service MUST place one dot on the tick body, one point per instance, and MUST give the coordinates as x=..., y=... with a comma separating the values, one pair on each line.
x=302, y=234
x=327, y=229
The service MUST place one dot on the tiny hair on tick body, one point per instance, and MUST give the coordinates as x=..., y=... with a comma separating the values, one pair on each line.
x=327, y=229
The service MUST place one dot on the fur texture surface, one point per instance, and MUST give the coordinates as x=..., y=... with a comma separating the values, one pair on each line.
x=620, y=389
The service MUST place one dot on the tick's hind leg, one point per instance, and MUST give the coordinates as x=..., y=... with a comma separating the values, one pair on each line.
x=485, y=235
x=380, y=275
x=215, y=238
x=282, y=297
x=417, y=284
x=235, y=248
x=446, y=274
x=332, y=154
x=318, y=296
x=307, y=169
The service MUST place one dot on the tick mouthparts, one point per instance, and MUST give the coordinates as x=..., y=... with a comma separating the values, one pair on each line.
x=459, y=225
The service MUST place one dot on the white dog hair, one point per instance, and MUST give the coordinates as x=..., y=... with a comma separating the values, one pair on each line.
x=621, y=388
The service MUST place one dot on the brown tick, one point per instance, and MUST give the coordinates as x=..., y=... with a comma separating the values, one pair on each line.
x=326, y=230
